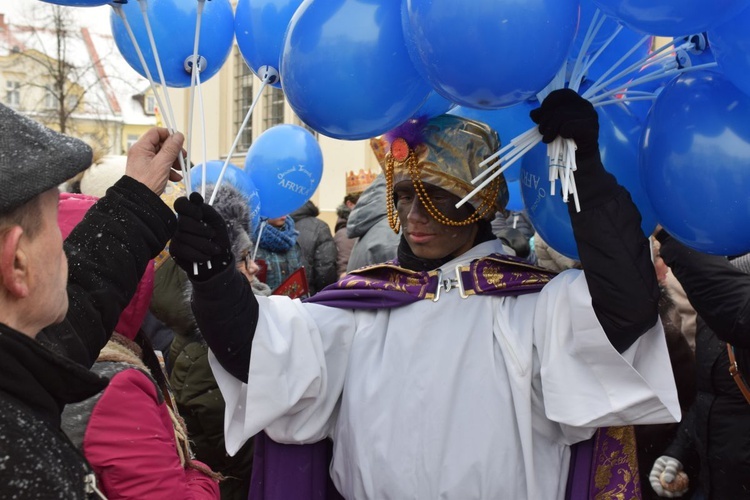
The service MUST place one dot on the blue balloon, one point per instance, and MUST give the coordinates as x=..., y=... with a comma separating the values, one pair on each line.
x=345, y=69
x=625, y=40
x=670, y=17
x=619, y=135
x=489, y=53
x=515, y=199
x=695, y=162
x=232, y=175
x=259, y=27
x=730, y=42
x=286, y=165
x=508, y=122
x=435, y=105
x=588, y=8
x=173, y=26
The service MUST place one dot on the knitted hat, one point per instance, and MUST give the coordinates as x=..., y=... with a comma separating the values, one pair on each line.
x=34, y=159
x=444, y=151
x=234, y=208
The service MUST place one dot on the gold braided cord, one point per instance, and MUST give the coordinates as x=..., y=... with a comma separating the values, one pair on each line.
x=415, y=170
x=390, y=205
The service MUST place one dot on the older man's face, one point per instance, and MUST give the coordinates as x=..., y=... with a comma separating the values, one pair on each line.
x=428, y=238
x=49, y=269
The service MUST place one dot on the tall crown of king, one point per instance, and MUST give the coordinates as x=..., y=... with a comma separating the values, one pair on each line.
x=356, y=182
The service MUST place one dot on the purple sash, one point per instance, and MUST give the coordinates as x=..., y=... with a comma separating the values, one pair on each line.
x=282, y=471
x=385, y=286
x=605, y=466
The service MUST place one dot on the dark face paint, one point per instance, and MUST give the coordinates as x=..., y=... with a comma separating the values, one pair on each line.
x=428, y=238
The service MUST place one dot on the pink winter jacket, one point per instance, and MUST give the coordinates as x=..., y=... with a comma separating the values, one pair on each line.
x=130, y=443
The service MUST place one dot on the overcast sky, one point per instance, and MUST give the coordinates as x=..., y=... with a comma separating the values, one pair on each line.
x=95, y=18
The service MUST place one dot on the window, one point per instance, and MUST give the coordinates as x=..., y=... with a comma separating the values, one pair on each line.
x=132, y=139
x=50, y=101
x=12, y=94
x=150, y=105
x=273, y=107
x=72, y=102
x=243, y=98
x=307, y=127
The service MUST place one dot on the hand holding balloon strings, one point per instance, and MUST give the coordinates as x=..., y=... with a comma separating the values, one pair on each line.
x=169, y=116
x=201, y=237
x=597, y=93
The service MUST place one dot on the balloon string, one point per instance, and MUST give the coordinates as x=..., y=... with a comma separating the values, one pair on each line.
x=193, y=73
x=601, y=82
x=562, y=164
x=516, y=155
x=157, y=95
x=622, y=100
x=237, y=139
x=596, y=55
x=517, y=143
x=257, y=241
x=652, y=58
x=666, y=70
x=203, y=128
x=594, y=26
x=511, y=144
x=656, y=75
x=144, y=12
x=557, y=82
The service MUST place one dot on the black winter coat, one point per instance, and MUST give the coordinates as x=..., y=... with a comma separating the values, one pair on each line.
x=107, y=255
x=715, y=434
x=108, y=252
x=37, y=460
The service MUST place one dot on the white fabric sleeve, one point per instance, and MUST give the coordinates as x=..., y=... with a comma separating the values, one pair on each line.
x=585, y=381
x=296, y=375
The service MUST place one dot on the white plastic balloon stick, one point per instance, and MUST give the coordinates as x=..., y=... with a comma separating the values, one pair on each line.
x=270, y=77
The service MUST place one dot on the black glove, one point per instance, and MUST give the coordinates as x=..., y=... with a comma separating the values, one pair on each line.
x=570, y=116
x=201, y=237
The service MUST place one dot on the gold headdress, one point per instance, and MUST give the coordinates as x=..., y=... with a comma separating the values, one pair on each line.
x=446, y=152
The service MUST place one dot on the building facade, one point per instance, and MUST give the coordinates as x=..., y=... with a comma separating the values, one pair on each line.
x=73, y=80
x=227, y=97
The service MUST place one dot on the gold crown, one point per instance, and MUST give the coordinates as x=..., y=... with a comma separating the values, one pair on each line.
x=356, y=182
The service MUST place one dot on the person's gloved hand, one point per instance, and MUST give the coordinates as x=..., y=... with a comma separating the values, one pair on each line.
x=567, y=114
x=667, y=478
x=201, y=237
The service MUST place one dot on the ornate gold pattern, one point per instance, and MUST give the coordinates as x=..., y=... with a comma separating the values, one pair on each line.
x=620, y=462
x=398, y=280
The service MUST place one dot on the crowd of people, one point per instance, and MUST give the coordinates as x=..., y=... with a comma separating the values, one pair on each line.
x=148, y=351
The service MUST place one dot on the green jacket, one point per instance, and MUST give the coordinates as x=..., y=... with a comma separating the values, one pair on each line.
x=196, y=393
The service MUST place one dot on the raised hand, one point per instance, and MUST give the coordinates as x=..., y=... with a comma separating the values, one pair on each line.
x=153, y=159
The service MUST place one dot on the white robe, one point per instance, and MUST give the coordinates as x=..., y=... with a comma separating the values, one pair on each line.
x=460, y=399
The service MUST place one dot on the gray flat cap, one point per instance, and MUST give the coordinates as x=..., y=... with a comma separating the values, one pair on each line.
x=34, y=159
